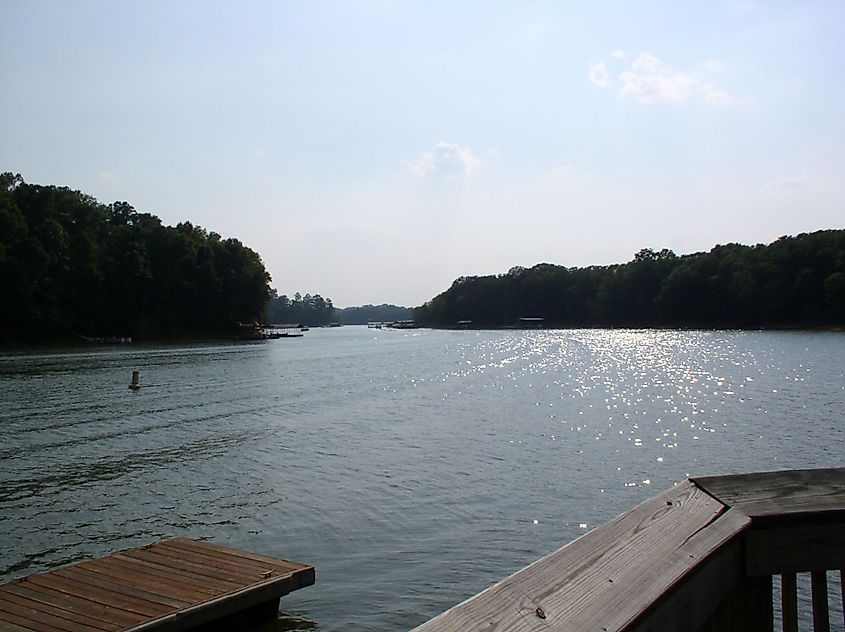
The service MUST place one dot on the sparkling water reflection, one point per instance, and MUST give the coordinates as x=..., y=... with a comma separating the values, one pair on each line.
x=413, y=468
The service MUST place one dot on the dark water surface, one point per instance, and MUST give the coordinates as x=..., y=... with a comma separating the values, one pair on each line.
x=413, y=468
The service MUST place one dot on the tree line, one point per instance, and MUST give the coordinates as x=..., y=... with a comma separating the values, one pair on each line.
x=793, y=282
x=364, y=314
x=314, y=311
x=70, y=265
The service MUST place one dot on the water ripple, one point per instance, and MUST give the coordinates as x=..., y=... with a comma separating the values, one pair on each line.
x=413, y=470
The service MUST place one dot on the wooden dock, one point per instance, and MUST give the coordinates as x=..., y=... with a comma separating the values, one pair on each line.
x=178, y=584
x=699, y=557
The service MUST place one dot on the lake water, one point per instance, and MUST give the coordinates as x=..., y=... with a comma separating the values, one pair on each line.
x=412, y=468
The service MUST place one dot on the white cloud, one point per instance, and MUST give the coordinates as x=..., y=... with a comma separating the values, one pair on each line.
x=712, y=67
x=619, y=54
x=446, y=160
x=714, y=95
x=563, y=168
x=598, y=74
x=787, y=184
x=651, y=80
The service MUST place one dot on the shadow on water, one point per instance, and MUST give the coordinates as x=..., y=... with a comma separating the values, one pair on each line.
x=75, y=475
x=287, y=622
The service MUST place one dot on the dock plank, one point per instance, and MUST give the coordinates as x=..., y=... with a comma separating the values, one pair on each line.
x=196, y=583
x=174, y=585
x=195, y=567
x=144, y=577
x=212, y=549
x=9, y=626
x=94, y=601
x=109, y=588
x=214, y=561
x=210, y=559
x=57, y=605
x=146, y=582
x=13, y=623
x=44, y=620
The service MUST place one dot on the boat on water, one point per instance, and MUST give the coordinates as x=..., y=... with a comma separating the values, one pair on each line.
x=274, y=331
x=106, y=340
x=282, y=334
x=404, y=324
x=271, y=331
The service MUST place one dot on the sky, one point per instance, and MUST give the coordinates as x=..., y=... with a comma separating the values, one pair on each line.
x=373, y=151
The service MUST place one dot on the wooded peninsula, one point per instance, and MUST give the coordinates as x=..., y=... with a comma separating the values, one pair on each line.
x=71, y=266
x=793, y=282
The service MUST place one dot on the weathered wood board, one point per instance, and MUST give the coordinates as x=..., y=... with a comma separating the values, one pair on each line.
x=763, y=495
x=698, y=557
x=611, y=576
x=173, y=585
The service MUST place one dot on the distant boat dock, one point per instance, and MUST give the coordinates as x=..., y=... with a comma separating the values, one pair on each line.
x=393, y=324
x=271, y=331
x=178, y=584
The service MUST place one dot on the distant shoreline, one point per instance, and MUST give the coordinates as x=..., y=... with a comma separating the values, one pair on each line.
x=65, y=343
x=797, y=328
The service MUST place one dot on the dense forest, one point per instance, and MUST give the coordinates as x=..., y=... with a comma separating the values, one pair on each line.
x=793, y=282
x=373, y=313
x=71, y=266
x=313, y=311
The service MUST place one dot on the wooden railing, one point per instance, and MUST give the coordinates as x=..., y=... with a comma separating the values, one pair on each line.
x=699, y=556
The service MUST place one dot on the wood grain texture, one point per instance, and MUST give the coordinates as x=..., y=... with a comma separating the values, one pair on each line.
x=609, y=577
x=795, y=549
x=60, y=606
x=785, y=493
x=629, y=574
x=699, y=595
x=173, y=585
x=8, y=626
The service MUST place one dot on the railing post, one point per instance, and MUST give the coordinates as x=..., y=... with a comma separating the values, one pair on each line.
x=734, y=534
x=821, y=618
x=757, y=604
x=748, y=608
x=789, y=602
x=842, y=591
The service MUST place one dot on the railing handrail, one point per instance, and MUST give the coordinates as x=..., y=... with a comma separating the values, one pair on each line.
x=702, y=551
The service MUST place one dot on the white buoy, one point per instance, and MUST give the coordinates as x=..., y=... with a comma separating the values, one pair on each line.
x=136, y=381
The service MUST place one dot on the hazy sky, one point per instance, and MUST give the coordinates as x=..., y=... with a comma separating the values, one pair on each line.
x=373, y=151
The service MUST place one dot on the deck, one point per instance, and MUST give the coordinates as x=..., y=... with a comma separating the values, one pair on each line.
x=178, y=584
x=700, y=556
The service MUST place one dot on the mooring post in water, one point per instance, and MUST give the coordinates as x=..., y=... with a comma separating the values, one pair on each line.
x=136, y=381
